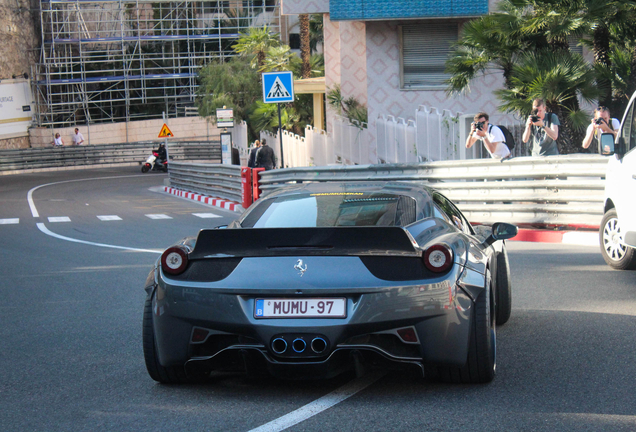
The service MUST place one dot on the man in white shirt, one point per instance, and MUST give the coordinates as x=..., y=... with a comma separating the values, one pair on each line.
x=78, y=138
x=490, y=135
x=600, y=124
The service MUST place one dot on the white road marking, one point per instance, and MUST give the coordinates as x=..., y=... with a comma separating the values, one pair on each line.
x=108, y=218
x=59, y=219
x=45, y=230
x=320, y=405
x=206, y=215
x=158, y=216
x=581, y=238
x=9, y=221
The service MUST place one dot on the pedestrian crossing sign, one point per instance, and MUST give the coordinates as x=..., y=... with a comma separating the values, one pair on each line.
x=165, y=132
x=278, y=87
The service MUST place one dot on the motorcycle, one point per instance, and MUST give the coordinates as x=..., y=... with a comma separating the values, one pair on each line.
x=152, y=165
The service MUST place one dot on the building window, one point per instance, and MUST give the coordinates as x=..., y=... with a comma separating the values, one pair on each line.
x=268, y=5
x=424, y=49
x=294, y=40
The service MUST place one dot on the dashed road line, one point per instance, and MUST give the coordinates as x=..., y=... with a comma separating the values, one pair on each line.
x=9, y=221
x=59, y=219
x=109, y=218
x=158, y=216
x=206, y=215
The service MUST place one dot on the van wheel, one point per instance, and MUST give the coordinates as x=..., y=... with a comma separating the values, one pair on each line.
x=615, y=253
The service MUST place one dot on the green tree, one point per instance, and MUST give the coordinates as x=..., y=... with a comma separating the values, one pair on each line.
x=255, y=43
x=315, y=31
x=234, y=84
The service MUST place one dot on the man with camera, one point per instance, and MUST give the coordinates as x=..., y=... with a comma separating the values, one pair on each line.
x=543, y=128
x=490, y=135
x=601, y=123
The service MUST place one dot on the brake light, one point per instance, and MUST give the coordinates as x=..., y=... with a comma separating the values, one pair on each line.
x=174, y=260
x=438, y=258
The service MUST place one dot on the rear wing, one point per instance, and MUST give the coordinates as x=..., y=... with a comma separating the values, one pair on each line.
x=335, y=241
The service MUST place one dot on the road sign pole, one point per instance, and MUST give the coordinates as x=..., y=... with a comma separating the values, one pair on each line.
x=280, y=138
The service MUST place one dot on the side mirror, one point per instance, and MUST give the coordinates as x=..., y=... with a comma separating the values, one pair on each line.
x=607, y=144
x=501, y=231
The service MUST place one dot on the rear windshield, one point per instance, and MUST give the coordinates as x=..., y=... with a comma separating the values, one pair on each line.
x=332, y=209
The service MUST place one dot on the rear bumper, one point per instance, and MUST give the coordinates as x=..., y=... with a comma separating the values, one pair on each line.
x=441, y=314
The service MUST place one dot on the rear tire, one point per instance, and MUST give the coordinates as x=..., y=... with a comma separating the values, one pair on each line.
x=165, y=375
x=504, y=288
x=615, y=253
x=481, y=363
x=144, y=168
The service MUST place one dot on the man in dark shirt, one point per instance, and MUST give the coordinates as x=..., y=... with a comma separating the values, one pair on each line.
x=251, y=163
x=265, y=157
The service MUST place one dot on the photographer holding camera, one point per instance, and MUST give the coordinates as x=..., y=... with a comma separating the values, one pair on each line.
x=601, y=123
x=543, y=128
x=492, y=137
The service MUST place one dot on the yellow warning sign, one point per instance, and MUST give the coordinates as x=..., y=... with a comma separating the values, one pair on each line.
x=165, y=132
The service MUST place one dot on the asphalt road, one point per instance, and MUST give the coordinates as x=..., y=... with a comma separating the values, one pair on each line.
x=70, y=326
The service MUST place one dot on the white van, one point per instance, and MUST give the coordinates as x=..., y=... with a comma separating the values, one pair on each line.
x=618, y=228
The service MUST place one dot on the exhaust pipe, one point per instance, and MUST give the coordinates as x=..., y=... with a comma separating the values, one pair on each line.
x=318, y=345
x=279, y=345
x=299, y=345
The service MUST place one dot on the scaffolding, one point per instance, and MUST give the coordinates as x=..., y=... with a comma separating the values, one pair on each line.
x=123, y=60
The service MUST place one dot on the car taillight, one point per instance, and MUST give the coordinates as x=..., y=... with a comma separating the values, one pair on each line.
x=174, y=260
x=438, y=258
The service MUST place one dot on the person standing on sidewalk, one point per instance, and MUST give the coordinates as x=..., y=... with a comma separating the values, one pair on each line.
x=600, y=124
x=252, y=159
x=265, y=157
x=490, y=135
x=543, y=129
x=78, y=138
x=57, y=142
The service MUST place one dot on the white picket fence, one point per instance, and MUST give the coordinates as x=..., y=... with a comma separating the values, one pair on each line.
x=432, y=136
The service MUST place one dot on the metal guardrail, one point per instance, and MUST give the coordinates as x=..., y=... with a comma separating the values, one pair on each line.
x=21, y=160
x=223, y=181
x=556, y=190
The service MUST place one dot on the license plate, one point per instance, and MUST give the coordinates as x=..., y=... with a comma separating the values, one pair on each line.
x=301, y=308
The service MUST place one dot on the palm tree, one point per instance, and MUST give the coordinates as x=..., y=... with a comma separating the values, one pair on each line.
x=280, y=58
x=305, y=50
x=560, y=79
x=255, y=43
x=315, y=31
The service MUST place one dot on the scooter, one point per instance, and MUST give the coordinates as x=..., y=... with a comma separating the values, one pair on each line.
x=151, y=165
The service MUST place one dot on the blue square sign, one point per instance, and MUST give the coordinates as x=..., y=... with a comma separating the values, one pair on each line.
x=278, y=87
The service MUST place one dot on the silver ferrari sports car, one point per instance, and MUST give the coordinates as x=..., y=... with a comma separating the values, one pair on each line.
x=319, y=278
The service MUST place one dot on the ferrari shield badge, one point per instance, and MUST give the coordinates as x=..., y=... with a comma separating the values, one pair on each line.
x=301, y=269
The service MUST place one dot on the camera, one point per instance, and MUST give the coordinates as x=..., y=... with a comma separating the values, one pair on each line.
x=479, y=125
x=534, y=117
x=599, y=121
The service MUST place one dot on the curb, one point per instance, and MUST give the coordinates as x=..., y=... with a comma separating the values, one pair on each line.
x=213, y=201
x=581, y=238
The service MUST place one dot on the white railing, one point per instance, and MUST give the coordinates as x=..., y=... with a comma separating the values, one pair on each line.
x=432, y=136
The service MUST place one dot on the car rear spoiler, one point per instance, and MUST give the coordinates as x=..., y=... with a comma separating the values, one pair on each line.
x=253, y=242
